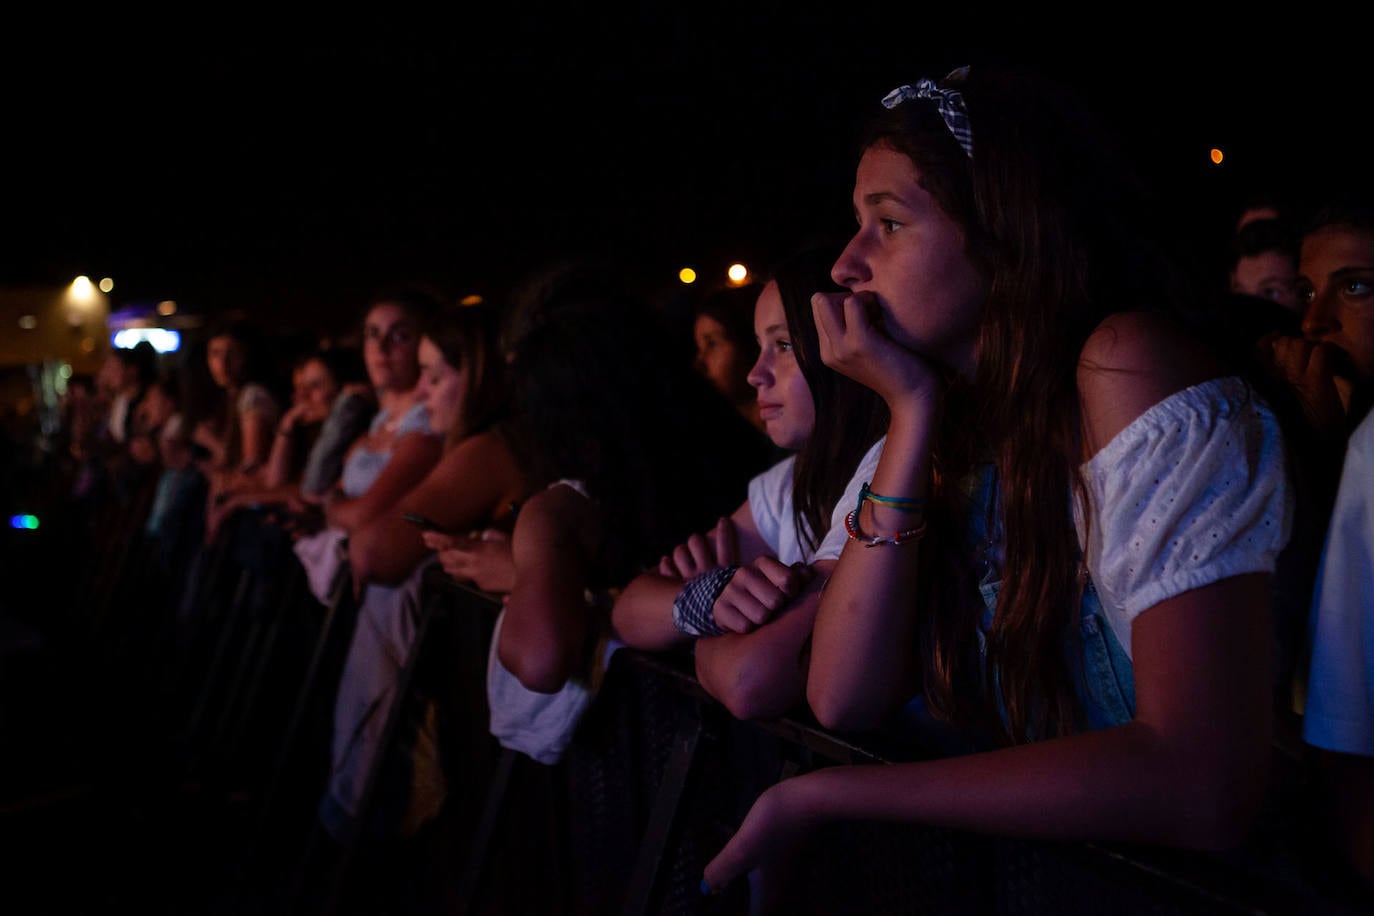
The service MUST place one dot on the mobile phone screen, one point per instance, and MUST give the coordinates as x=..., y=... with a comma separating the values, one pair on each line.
x=420, y=521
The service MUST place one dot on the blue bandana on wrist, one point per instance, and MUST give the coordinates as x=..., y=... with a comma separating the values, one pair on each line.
x=694, y=609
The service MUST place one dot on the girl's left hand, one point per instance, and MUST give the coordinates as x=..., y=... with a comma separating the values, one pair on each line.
x=757, y=591
x=771, y=831
x=702, y=552
x=439, y=541
x=485, y=560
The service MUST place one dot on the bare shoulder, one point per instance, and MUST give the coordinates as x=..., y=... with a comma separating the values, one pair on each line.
x=485, y=449
x=1130, y=362
x=558, y=501
x=417, y=442
x=555, y=515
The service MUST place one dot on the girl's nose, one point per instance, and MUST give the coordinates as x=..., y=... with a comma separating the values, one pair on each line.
x=850, y=268
x=758, y=373
x=1319, y=319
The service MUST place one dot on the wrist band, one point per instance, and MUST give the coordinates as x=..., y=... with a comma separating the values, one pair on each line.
x=851, y=528
x=909, y=504
x=694, y=608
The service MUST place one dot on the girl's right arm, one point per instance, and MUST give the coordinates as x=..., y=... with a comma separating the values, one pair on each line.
x=255, y=433
x=414, y=454
x=762, y=674
x=465, y=490
x=279, y=458
x=862, y=658
x=547, y=620
x=643, y=613
x=1190, y=768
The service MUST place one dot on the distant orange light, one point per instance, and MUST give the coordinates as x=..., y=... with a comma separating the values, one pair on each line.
x=1217, y=156
x=687, y=275
x=474, y=299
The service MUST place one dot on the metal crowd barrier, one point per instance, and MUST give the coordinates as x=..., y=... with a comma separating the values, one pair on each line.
x=657, y=778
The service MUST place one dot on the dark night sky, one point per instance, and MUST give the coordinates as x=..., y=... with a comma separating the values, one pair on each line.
x=286, y=171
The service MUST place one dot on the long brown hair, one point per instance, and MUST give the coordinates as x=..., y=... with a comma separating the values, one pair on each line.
x=1053, y=217
x=592, y=374
x=468, y=337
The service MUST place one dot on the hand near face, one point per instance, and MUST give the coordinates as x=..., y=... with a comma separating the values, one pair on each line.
x=293, y=416
x=1308, y=367
x=484, y=560
x=855, y=342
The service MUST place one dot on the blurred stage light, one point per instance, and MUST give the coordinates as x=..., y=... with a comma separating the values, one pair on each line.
x=162, y=339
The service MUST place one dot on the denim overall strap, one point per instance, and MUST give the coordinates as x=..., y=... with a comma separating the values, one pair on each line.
x=1103, y=676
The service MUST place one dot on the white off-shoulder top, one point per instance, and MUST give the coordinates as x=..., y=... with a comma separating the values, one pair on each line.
x=1193, y=491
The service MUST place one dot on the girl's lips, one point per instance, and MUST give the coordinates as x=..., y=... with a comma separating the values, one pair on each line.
x=769, y=411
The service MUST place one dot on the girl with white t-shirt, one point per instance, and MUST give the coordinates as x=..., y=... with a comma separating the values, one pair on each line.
x=1069, y=544
x=238, y=438
x=625, y=449
x=748, y=588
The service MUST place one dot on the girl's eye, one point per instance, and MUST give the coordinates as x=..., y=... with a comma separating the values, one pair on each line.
x=784, y=346
x=889, y=225
x=1357, y=288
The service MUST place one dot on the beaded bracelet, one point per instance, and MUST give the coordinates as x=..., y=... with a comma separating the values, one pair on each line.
x=851, y=527
x=905, y=503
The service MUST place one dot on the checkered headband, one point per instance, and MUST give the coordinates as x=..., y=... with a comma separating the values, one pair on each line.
x=949, y=102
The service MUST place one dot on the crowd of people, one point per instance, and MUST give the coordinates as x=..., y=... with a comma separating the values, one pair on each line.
x=995, y=470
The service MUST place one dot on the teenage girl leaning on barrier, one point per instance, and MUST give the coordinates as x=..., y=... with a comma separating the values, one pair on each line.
x=748, y=586
x=1077, y=508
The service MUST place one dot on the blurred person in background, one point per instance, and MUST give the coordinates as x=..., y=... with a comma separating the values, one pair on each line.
x=723, y=331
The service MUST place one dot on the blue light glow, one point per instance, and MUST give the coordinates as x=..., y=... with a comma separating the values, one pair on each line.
x=162, y=339
x=24, y=521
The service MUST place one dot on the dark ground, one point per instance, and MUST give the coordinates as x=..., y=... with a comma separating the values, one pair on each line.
x=108, y=799
x=111, y=802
